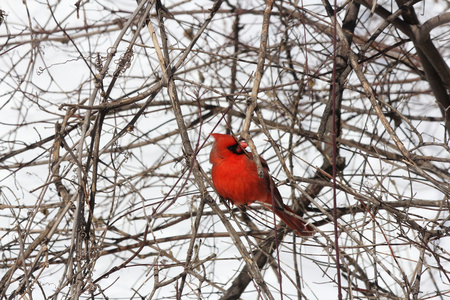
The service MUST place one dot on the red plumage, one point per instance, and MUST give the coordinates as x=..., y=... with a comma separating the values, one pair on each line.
x=235, y=177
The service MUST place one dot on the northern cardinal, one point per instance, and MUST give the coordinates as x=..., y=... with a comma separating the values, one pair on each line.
x=235, y=177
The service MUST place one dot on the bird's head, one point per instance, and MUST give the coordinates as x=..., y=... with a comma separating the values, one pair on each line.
x=224, y=146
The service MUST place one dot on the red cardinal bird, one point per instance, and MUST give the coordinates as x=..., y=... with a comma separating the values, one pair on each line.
x=235, y=177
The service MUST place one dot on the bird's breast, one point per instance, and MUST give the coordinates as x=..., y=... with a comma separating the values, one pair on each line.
x=237, y=180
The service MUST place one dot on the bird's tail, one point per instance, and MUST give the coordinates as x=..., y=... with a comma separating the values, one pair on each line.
x=290, y=218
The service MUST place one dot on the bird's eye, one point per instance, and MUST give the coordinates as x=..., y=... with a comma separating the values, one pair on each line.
x=236, y=149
